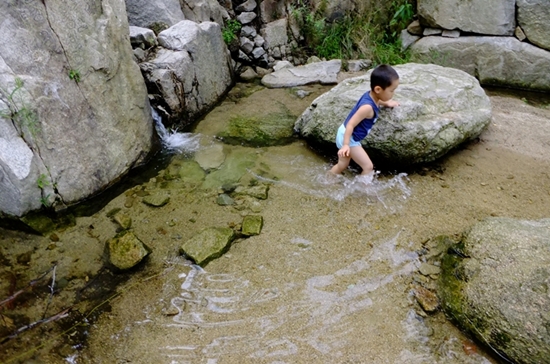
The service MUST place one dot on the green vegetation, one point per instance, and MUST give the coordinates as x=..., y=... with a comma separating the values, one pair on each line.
x=42, y=181
x=230, y=31
x=357, y=37
x=18, y=110
x=74, y=75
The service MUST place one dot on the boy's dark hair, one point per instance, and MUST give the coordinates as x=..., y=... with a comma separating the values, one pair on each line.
x=383, y=76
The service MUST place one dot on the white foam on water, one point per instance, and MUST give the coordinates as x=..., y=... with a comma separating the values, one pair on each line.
x=174, y=141
x=281, y=318
x=390, y=192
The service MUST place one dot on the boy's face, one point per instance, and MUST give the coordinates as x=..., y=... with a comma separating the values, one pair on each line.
x=387, y=93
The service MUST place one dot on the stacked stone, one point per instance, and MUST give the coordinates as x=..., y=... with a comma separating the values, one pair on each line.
x=251, y=43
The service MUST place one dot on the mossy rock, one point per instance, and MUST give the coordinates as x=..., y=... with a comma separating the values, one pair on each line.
x=123, y=220
x=126, y=250
x=42, y=223
x=275, y=128
x=158, y=199
x=208, y=244
x=236, y=165
x=494, y=284
x=252, y=225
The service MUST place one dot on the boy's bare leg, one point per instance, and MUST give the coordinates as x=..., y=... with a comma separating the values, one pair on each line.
x=360, y=157
x=343, y=163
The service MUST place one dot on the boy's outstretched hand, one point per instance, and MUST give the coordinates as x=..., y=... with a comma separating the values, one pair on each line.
x=344, y=152
x=389, y=103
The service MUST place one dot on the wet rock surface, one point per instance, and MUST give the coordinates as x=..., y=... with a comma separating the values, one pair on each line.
x=209, y=244
x=495, y=285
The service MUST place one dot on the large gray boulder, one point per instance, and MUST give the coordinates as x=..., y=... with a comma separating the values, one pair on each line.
x=439, y=109
x=499, y=61
x=147, y=13
x=185, y=78
x=495, y=284
x=534, y=19
x=492, y=17
x=74, y=113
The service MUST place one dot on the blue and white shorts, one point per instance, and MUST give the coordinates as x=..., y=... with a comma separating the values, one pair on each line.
x=340, y=138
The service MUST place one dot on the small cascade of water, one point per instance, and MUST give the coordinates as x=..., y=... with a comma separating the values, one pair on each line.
x=174, y=141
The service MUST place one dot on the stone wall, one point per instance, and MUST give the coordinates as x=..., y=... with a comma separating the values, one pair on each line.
x=502, y=42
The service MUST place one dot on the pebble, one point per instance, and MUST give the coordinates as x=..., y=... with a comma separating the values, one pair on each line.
x=429, y=269
x=426, y=298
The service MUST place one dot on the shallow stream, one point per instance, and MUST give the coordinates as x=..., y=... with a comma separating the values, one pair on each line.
x=328, y=280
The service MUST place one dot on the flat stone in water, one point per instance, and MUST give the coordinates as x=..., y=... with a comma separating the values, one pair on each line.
x=156, y=200
x=252, y=225
x=210, y=157
x=426, y=298
x=429, y=269
x=207, y=245
x=123, y=220
x=224, y=200
x=258, y=191
x=126, y=250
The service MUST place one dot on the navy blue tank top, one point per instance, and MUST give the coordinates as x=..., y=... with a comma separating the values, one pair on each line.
x=363, y=128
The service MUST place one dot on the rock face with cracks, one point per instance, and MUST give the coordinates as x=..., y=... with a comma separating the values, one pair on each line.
x=495, y=284
x=440, y=108
x=74, y=112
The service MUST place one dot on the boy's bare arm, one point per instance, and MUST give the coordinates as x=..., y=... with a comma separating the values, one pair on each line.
x=389, y=103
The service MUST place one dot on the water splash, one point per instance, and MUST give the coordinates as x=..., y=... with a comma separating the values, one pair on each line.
x=174, y=141
x=320, y=183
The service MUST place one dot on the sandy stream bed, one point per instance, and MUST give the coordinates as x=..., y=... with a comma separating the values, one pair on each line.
x=327, y=280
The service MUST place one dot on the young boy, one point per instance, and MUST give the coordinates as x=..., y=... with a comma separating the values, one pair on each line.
x=383, y=82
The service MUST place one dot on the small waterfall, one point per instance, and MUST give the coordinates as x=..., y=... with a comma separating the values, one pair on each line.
x=174, y=141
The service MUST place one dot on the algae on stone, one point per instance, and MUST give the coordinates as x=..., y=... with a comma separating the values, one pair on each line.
x=126, y=250
x=494, y=285
x=208, y=244
x=276, y=128
x=252, y=225
x=236, y=165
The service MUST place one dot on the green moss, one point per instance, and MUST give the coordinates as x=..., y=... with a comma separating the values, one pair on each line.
x=272, y=129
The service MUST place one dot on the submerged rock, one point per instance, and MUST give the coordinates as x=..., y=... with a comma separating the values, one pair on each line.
x=236, y=165
x=258, y=191
x=495, y=284
x=267, y=130
x=123, y=220
x=224, y=200
x=126, y=250
x=156, y=199
x=252, y=225
x=426, y=299
x=440, y=108
x=207, y=245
